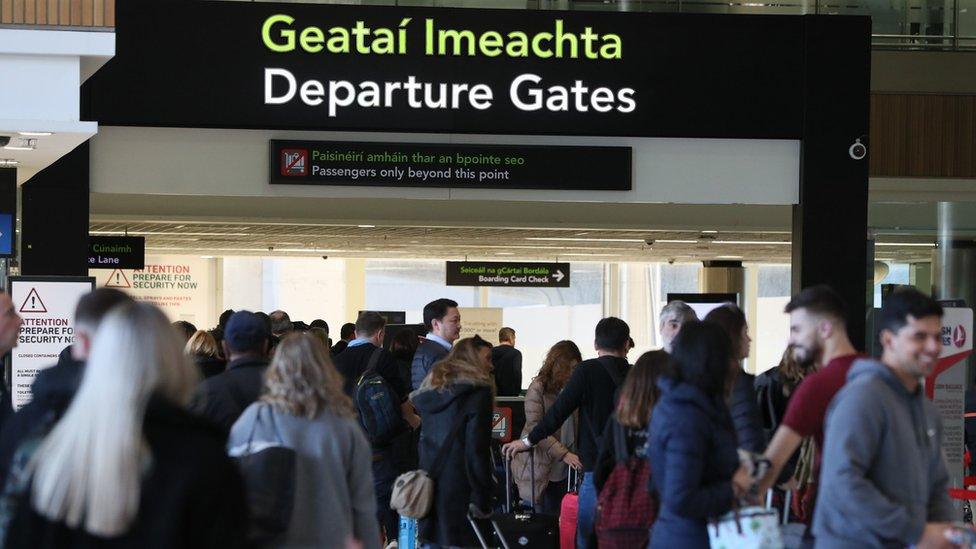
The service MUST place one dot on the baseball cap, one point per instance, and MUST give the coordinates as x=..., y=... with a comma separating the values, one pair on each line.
x=245, y=331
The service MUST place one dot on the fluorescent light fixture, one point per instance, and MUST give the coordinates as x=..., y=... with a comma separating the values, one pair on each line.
x=36, y=134
x=728, y=257
x=709, y=232
x=589, y=255
x=366, y=226
x=656, y=241
x=504, y=253
x=25, y=145
x=906, y=244
x=8, y=162
x=166, y=233
x=574, y=239
x=753, y=242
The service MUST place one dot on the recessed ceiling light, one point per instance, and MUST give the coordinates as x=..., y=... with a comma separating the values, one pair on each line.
x=8, y=162
x=36, y=134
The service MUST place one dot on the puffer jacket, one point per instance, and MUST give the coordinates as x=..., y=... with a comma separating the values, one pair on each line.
x=692, y=448
x=466, y=475
x=549, y=452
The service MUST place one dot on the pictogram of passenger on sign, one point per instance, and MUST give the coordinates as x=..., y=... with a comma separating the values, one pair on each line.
x=33, y=303
x=118, y=280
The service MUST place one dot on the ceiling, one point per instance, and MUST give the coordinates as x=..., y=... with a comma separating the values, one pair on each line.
x=474, y=242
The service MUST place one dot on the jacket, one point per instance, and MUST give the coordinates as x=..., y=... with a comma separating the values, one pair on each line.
x=223, y=398
x=882, y=467
x=428, y=353
x=549, y=452
x=692, y=448
x=53, y=390
x=352, y=363
x=745, y=414
x=191, y=495
x=507, y=361
x=592, y=391
x=635, y=441
x=334, y=481
x=210, y=365
x=466, y=476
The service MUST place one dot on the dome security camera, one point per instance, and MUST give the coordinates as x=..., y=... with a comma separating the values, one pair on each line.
x=858, y=150
x=649, y=241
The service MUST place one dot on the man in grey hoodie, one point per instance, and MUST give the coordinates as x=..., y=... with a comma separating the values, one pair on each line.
x=883, y=476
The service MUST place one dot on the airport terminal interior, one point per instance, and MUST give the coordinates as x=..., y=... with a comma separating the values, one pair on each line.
x=545, y=164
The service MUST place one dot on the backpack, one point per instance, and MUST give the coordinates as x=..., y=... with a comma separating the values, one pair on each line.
x=379, y=409
x=269, y=470
x=626, y=509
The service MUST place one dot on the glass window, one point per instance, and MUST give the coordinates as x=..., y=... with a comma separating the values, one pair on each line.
x=543, y=316
x=408, y=285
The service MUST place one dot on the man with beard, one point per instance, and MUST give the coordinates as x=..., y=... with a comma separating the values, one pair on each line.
x=818, y=334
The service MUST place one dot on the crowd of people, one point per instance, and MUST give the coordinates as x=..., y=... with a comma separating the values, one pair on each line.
x=262, y=432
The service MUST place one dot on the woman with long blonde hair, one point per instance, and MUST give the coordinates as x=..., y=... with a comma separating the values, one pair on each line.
x=127, y=465
x=304, y=408
x=455, y=402
x=554, y=454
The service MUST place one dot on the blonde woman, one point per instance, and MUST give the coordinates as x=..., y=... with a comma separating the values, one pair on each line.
x=553, y=454
x=455, y=403
x=303, y=405
x=202, y=348
x=127, y=465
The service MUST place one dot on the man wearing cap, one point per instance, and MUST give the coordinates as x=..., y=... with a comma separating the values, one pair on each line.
x=223, y=397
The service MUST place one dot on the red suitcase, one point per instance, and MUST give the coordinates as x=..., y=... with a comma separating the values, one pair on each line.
x=568, y=512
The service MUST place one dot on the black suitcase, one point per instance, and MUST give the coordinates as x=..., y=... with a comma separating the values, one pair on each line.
x=520, y=527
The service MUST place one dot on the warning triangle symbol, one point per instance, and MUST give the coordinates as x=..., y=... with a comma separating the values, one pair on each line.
x=118, y=280
x=33, y=303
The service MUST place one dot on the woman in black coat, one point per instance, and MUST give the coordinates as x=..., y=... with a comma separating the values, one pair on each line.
x=127, y=465
x=692, y=446
x=742, y=404
x=459, y=386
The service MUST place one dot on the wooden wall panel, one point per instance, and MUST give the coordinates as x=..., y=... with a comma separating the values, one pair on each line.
x=923, y=135
x=60, y=13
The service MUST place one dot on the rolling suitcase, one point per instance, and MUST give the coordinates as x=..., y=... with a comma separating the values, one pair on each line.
x=520, y=527
x=569, y=511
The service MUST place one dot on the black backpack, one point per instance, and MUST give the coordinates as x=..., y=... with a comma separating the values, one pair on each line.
x=378, y=406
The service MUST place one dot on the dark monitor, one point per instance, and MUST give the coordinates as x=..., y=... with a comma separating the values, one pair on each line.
x=703, y=303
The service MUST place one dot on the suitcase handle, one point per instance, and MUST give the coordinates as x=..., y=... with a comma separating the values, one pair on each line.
x=481, y=537
x=508, y=481
x=573, y=481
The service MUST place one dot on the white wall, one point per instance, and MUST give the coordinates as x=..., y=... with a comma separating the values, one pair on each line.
x=235, y=163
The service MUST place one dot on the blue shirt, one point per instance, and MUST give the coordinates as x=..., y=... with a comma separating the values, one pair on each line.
x=439, y=340
x=358, y=341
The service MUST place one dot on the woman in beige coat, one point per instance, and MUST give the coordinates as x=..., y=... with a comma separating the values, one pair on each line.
x=553, y=455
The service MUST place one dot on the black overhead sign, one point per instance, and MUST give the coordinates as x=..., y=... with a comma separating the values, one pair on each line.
x=458, y=166
x=512, y=274
x=116, y=252
x=334, y=67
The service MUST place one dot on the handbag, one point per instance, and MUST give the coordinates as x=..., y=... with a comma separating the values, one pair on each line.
x=746, y=528
x=413, y=491
x=268, y=469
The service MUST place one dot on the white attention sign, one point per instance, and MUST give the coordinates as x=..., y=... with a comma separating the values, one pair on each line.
x=47, y=305
x=946, y=387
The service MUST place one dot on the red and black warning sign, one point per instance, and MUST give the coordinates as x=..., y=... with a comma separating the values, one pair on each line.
x=501, y=424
